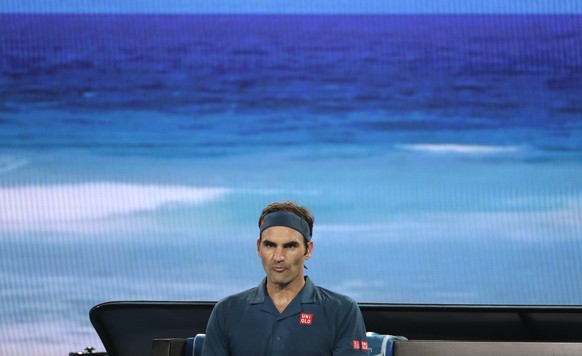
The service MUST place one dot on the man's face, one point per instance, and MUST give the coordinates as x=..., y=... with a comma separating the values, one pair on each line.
x=282, y=253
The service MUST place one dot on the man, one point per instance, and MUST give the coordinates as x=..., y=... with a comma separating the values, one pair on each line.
x=286, y=314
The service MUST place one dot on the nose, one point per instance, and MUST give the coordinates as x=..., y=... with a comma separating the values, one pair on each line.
x=279, y=256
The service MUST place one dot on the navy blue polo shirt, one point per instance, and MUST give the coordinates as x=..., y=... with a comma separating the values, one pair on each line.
x=316, y=322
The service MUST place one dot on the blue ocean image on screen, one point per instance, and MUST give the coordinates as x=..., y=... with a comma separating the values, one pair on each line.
x=441, y=156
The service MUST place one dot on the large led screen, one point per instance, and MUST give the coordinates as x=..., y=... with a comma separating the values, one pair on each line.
x=438, y=144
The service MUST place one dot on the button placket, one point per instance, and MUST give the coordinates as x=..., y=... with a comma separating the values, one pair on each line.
x=278, y=337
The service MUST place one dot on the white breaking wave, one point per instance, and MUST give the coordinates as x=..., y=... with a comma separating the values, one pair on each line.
x=41, y=206
x=459, y=148
x=9, y=164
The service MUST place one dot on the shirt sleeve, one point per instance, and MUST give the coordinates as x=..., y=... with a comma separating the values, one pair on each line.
x=351, y=337
x=215, y=341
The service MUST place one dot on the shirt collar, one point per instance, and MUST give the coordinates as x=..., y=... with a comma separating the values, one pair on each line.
x=307, y=293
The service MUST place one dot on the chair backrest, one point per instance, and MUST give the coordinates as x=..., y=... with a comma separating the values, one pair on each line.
x=382, y=345
x=129, y=328
x=197, y=344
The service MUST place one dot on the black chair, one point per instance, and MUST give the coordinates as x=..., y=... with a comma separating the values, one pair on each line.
x=128, y=328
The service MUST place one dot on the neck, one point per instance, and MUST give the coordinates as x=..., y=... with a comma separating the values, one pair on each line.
x=282, y=295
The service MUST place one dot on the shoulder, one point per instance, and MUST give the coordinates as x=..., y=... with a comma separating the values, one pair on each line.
x=325, y=296
x=237, y=300
x=335, y=301
x=330, y=296
x=342, y=312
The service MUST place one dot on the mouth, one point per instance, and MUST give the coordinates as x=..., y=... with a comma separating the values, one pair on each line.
x=279, y=269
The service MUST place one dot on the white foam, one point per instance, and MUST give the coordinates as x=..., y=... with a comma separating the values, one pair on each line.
x=9, y=164
x=456, y=148
x=41, y=206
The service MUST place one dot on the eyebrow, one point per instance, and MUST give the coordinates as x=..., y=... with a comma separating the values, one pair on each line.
x=291, y=244
x=287, y=244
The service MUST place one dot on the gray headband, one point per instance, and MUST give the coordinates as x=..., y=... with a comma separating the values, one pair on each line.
x=288, y=219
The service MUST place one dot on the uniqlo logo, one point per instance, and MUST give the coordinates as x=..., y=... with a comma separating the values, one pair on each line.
x=356, y=344
x=306, y=319
x=364, y=345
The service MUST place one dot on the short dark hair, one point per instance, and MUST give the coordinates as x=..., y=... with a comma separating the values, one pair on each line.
x=291, y=207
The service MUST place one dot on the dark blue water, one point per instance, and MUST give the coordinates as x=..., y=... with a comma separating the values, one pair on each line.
x=320, y=80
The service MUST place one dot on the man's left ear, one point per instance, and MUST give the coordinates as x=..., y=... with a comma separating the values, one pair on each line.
x=309, y=250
